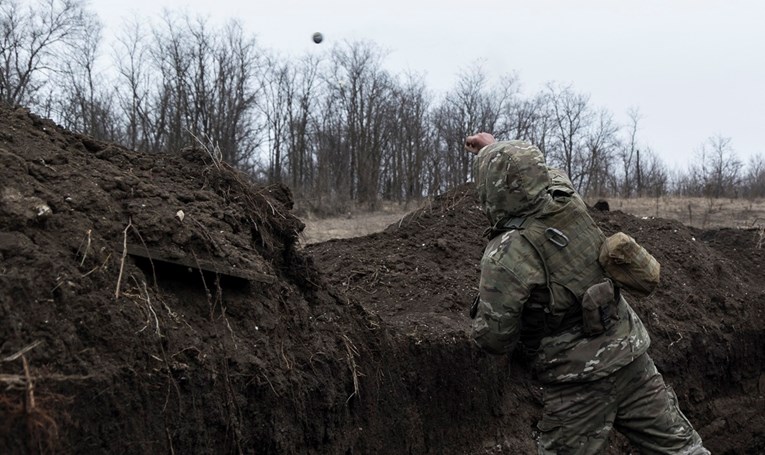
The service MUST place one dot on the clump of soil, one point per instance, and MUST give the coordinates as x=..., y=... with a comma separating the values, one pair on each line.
x=159, y=304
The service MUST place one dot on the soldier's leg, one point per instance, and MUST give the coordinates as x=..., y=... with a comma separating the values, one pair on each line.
x=649, y=415
x=577, y=418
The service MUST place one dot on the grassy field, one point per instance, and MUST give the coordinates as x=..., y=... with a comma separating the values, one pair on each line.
x=351, y=225
x=697, y=212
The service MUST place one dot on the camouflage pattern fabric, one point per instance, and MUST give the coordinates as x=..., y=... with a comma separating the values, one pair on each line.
x=559, y=181
x=531, y=294
x=578, y=417
x=503, y=292
x=511, y=272
x=511, y=306
x=511, y=178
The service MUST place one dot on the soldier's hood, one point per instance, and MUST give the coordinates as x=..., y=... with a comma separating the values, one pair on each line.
x=512, y=180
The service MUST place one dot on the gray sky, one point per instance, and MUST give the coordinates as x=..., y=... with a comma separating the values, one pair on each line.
x=694, y=68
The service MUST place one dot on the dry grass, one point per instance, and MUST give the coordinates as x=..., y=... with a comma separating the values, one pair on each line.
x=352, y=224
x=696, y=212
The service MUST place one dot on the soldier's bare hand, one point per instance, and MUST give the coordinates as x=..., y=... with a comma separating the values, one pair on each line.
x=476, y=142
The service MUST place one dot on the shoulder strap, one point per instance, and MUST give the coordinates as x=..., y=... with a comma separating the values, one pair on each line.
x=502, y=227
x=544, y=265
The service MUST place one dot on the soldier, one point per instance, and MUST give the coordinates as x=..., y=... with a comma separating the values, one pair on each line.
x=539, y=267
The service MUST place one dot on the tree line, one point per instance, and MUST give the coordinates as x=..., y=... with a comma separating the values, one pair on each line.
x=335, y=125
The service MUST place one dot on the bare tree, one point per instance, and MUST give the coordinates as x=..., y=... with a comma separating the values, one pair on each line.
x=133, y=85
x=717, y=171
x=172, y=60
x=530, y=120
x=755, y=176
x=186, y=82
x=82, y=99
x=301, y=116
x=31, y=38
x=276, y=105
x=364, y=93
x=403, y=166
x=628, y=151
x=571, y=116
x=471, y=106
x=333, y=177
x=236, y=63
x=287, y=104
x=654, y=176
x=601, y=143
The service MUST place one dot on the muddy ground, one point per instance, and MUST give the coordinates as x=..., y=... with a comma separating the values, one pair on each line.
x=161, y=304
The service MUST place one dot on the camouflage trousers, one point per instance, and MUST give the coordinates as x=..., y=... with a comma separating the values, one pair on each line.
x=578, y=417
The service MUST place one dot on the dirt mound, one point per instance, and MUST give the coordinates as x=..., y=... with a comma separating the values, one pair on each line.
x=159, y=304
x=209, y=333
x=706, y=318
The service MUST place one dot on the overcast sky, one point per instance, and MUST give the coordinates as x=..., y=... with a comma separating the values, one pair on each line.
x=694, y=68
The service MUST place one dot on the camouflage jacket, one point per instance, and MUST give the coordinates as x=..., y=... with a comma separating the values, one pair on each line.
x=530, y=293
